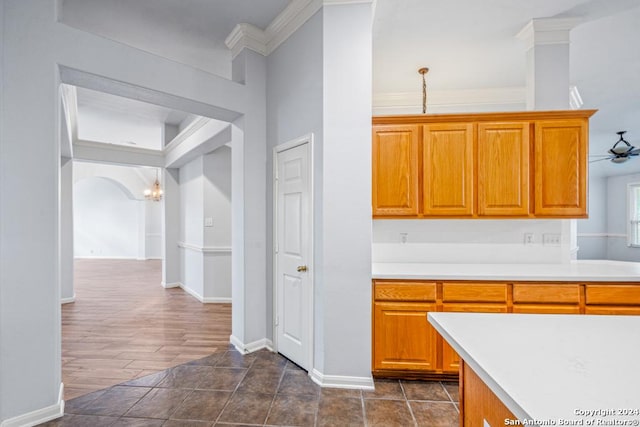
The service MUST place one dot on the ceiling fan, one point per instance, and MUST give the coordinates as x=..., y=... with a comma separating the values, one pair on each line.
x=621, y=150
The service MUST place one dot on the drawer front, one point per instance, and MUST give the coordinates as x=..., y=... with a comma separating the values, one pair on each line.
x=474, y=292
x=475, y=308
x=405, y=291
x=613, y=310
x=546, y=293
x=546, y=309
x=613, y=294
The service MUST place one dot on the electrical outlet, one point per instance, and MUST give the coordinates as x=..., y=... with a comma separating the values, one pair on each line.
x=551, y=239
x=529, y=238
x=404, y=237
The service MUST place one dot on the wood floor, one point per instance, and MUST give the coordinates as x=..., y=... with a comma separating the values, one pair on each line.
x=124, y=325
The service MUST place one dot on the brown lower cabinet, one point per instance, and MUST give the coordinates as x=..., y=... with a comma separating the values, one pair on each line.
x=405, y=345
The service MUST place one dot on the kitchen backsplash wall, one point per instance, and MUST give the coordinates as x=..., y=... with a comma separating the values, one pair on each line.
x=472, y=241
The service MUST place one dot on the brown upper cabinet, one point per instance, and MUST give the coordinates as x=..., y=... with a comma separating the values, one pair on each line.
x=447, y=169
x=503, y=169
x=395, y=158
x=487, y=165
x=561, y=167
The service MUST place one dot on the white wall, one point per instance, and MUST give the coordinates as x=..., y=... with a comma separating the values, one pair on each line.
x=217, y=206
x=106, y=220
x=34, y=63
x=248, y=205
x=30, y=372
x=153, y=230
x=317, y=83
x=346, y=192
x=98, y=17
x=205, y=192
x=617, y=209
x=294, y=109
x=468, y=241
x=113, y=220
x=67, y=293
x=592, y=232
x=191, y=234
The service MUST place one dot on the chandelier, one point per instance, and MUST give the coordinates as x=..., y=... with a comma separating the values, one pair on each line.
x=154, y=193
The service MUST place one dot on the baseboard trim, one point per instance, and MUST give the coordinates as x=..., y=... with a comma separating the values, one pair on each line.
x=217, y=300
x=192, y=292
x=263, y=343
x=341, y=381
x=38, y=416
x=171, y=285
x=68, y=300
x=207, y=300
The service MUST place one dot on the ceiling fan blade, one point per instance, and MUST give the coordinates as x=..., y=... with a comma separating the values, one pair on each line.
x=600, y=155
x=634, y=152
x=599, y=160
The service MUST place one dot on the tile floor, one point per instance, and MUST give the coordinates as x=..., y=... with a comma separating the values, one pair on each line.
x=258, y=389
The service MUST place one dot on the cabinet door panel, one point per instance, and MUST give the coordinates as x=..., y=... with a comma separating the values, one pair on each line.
x=560, y=168
x=450, y=359
x=395, y=170
x=503, y=169
x=403, y=337
x=448, y=169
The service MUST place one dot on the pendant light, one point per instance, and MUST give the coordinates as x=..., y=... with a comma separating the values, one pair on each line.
x=423, y=71
x=154, y=193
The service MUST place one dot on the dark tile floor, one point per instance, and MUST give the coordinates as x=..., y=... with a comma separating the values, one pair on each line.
x=258, y=389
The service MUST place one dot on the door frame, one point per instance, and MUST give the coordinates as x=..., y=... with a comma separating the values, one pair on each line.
x=302, y=140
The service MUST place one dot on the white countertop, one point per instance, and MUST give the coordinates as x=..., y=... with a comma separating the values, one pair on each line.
x=549, y=367
x=596, y=271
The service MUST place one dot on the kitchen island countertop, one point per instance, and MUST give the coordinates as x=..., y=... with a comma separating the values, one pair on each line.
x=552, y=367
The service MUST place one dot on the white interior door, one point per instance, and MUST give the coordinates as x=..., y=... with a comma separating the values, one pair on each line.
x=293, y=254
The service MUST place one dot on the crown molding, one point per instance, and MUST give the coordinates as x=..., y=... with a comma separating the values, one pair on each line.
x=547, y=31
x=289, y=21
x=281, y=28
x=247, y=36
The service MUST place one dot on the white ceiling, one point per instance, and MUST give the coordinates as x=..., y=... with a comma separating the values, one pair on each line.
x=138, y=109
x=122, y=121
x=467, y=44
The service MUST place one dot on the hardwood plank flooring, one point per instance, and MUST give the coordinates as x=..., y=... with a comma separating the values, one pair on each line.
x=124, y=325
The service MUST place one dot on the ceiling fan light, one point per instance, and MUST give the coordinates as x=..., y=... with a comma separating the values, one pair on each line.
x=621, y=149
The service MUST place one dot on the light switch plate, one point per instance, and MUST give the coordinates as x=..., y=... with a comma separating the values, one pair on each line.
x=208, y=222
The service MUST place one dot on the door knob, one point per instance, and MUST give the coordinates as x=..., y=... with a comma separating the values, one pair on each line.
x=302, y=268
